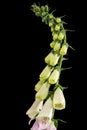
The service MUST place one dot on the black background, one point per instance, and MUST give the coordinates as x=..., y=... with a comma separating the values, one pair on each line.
x=26, y=43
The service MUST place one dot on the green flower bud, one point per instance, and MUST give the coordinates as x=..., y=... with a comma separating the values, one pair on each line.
x=45, y=73
x=55, y=36
x=43, y=92
x=54, y=76
x=56, y=46
x=50, y=16
x=52, y=29
x=52, y=59
x=39, y=85
x=52, y=44
x=50, y=24
x=57, y=28
x=61, y=36
x=63, y=50
x=58, y=20
x=58, y=99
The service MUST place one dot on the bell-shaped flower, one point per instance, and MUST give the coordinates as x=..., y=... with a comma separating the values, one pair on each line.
x=38, y=85
x=34, y=109
x=63, y=50
x=39, y=125
x=45, y=115
x=54, y=76
x=43, y=91
x=52, y=59
x=45, y=73
x=58, y=99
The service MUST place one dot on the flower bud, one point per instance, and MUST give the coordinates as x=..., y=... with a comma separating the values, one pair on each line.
x=55, y=36
x=58, y=99
x=52, y=29
x=58, y=20
x=45, y=73
x=56, y=46
x=63, y=50
x=51, y=16
x=50, y=24
x=34, y=109
x=54, y=76
x=52, y=59
x=61, y=36
x=38, y=85
x=57, y=28
x=52, y=44
x=43, y=92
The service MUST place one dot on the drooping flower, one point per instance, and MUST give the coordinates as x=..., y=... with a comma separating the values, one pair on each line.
x=58, y=99
x=43, y=91
x=43, y=120
x=47, y=111
x=39, y=125
x=34, y=109
x=54, y=77
x=45, y=73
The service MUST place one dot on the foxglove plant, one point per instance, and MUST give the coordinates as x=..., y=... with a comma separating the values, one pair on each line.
x=46, y=101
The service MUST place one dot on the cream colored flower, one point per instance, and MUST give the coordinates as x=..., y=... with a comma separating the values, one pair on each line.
x=45, y=73
x=39, y=85
x=43, y=92
x=34, y=109
x=58, y=99
x=54, y=76
x=63, y=50
x=47, y=111
x=52, y=59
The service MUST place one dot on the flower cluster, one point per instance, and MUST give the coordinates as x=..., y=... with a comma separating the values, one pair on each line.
x=46, y=101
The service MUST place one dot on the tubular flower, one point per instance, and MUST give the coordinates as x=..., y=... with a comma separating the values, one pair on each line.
x=58, y=99
x=52, y=59
x=43, y=92
x=39, y=125
x=47, y=111
x=54, y=76
x=45, y=73
x=34, y=109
